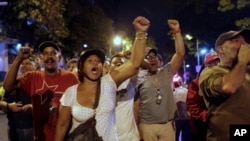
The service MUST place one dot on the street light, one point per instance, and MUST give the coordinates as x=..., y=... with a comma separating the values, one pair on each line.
x=190, y=37
x=117, y=40
x=198, y=54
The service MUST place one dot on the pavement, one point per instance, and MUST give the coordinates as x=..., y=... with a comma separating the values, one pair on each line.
x=3, y=126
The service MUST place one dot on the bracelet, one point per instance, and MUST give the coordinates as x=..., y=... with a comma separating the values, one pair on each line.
x=7, y=106
x=176, y=31
x=140, y=38
x=141, y=34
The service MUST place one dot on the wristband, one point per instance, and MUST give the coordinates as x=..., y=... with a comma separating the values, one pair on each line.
x=7, y=106
x=140, y=38
x=176, y=31
x=141, y=34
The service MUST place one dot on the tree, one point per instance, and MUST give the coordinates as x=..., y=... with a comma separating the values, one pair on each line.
x=228, y=5
x=47, y=15
x=89, y=25
x=12, y=26
x=35, y=21
x=69, y=23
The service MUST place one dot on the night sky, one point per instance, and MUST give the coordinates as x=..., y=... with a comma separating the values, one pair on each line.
x=205, y=24
x=127, y=10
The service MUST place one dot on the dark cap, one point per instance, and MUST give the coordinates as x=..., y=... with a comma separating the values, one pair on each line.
x=87, y=53
x=232, y=34
x=152, y=50
x=84, y=56
x=45, y=44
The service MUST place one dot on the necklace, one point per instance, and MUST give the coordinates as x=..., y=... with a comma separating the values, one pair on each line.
x=156, y=84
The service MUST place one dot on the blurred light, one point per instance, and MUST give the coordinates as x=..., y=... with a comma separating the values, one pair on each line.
x=13, y=49
x=3, y=3
x=85, y=45
x=177, y=78
x=124, y=42
x=187, y=65
x=18, y=46
x=29, y=21
x=203, y=51
x=189, y=37
x=117, y=40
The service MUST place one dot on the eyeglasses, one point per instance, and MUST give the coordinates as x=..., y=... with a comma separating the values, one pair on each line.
x=151, y=57
x=159, y=96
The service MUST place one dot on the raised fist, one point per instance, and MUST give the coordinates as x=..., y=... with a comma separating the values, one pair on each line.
x=141, y=24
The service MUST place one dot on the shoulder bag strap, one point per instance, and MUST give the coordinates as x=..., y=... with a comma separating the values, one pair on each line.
x=97, y=97
x=91, y=121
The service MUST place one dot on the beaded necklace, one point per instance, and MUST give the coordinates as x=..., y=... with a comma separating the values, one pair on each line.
x=156, y=85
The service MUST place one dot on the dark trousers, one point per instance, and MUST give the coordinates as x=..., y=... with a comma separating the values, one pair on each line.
x=25, y=134
x=183, y=127
x=12, y=135
x=200, y=132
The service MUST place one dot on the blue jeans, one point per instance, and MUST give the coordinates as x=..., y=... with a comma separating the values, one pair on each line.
x=25, y=134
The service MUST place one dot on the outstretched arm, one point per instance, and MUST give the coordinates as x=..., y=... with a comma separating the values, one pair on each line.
x=10, y=78
x=178, y=57
x=131, y=67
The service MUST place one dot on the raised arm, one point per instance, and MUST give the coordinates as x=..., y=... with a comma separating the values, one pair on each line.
x=178, y=57
x=233, y=80
x=131, y=67
x=10, y=78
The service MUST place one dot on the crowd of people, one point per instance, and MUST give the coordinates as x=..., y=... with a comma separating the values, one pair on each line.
x=133, y=96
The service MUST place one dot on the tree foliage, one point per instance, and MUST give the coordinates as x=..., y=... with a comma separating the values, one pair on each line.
x=228, y=5
x=47, y=15
x=89, y=25
x=69, y=23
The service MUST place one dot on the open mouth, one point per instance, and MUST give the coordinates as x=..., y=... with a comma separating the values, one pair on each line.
x=50, y=61
x=94, y=70
x=153, y=64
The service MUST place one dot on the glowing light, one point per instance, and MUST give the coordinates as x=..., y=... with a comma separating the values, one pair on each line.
x=85, y=45
x=117, y=40
x=189, y=37
x=203, y=51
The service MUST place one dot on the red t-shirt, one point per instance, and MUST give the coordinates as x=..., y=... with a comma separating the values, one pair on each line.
x=46, y=91
x=195, y=104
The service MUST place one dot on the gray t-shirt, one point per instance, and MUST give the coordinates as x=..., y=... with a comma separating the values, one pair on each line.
x=150, y=111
